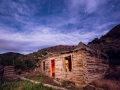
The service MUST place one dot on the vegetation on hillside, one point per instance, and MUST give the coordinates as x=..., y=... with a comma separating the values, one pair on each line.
x=114, y=56
x=12, y=59
x=109, y=44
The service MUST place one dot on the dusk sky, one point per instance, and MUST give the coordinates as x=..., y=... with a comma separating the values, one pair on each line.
x=29, y=25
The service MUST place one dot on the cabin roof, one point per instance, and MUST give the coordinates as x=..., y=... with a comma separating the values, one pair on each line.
x=83, y=46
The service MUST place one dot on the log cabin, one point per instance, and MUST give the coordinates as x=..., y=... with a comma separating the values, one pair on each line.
x=80, y=66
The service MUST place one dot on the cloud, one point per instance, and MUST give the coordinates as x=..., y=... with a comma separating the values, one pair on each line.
x=40, y=38
x=26, y=26
x=77, y=7
x=92, y=5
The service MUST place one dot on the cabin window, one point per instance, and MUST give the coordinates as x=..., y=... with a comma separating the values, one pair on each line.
x=68, y=64
x=43, y=65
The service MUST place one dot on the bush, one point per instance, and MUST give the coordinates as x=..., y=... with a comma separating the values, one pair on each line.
x=26, y=64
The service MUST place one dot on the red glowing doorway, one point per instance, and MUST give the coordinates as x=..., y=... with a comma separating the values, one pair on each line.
x=53, y=67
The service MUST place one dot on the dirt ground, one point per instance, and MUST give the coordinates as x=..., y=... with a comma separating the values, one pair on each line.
x=48, y=80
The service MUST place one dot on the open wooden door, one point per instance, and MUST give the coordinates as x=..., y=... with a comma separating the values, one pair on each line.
x=53, y=68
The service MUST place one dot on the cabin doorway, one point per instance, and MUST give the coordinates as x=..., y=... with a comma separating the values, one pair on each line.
x=53, y=68
x=43, y=65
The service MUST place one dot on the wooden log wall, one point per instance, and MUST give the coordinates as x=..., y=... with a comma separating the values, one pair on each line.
x=47, y=67
x=79, y=68
x=78, y=72
x=96, y=66
x=59, y=67
x=9, y=72
x=86, y=67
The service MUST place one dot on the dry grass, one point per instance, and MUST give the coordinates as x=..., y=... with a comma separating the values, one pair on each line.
x=107, y=84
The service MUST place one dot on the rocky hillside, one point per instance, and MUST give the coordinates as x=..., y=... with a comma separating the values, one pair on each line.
x=59, y=48
x=54, y=49
x=109, y=44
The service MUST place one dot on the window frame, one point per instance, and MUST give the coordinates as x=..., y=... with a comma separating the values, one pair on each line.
x=69, y=61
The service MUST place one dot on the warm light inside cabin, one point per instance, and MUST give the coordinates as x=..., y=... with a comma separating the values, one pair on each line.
x=53, y=67
x=67, y=65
